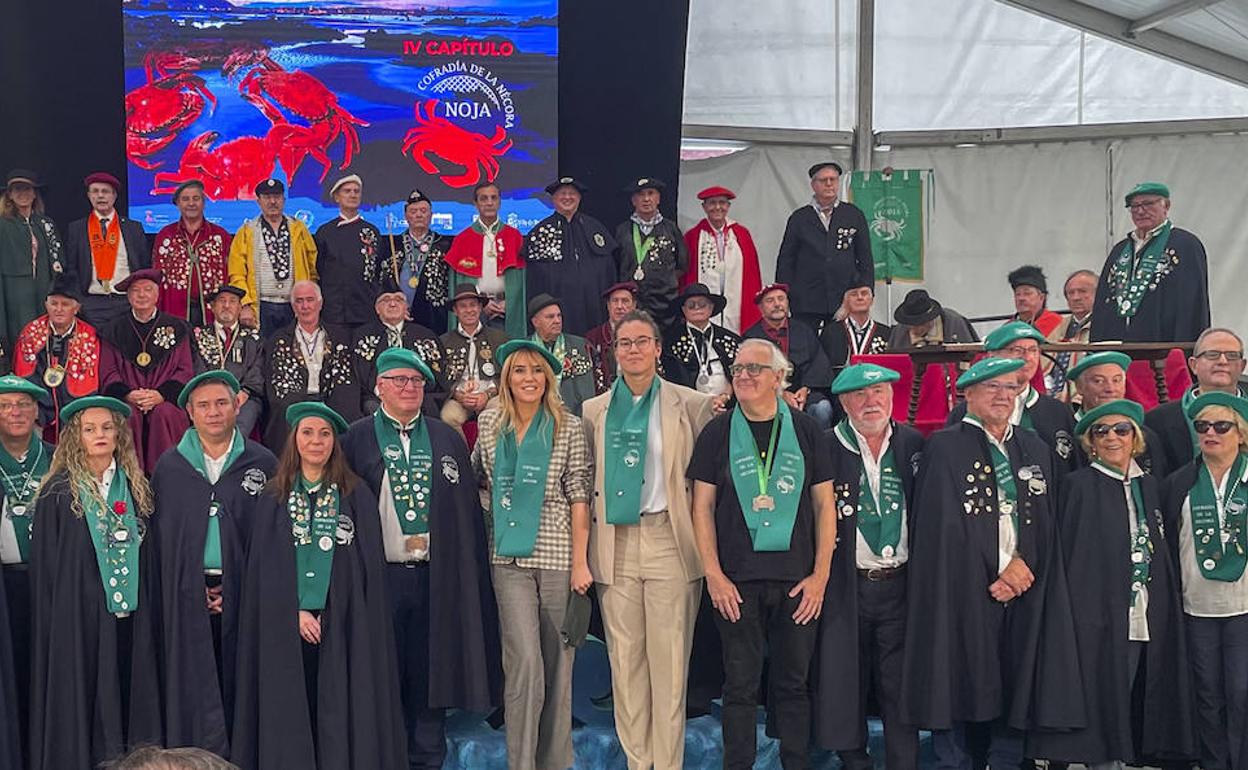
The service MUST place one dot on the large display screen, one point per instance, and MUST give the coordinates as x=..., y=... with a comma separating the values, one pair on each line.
x=436, y=95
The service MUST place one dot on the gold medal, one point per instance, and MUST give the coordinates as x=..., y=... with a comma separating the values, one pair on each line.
x=107, y=285
x=143, y=359
x=53, y=376
x=415, y=543
x=764, y=502
x=413, y=282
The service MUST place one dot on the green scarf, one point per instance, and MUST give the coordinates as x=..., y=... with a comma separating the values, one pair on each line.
x=641, y=248
x=114, y=532
x=517, y=502
x=1141, y=543
x=627, y=428
x=768, y=489
x=313, y=529
x=879, y=521
x=1217, y=562
x=192, y=450
x=21, y=482
x=559, y=348
x=1007, y=489
x=411, y=474
x=1130, y=279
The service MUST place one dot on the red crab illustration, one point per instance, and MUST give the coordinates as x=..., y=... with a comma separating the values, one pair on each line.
x=229, y=172
x=473, y=152
x=273, y=89
x=157, y=111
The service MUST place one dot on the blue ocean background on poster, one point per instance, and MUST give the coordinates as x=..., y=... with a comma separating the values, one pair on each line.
x=435, y=96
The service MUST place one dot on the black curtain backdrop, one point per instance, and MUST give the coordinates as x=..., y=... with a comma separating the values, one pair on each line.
x=621, y=79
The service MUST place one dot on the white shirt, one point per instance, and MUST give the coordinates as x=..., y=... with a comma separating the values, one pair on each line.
x=312, y=347
x=121, y=268
x=1007, y=538
x=9, y=553
x=709, y=364
x=490, y=282
x=214, y=467
x=106, y=480
x=826, y=219
x=394, y=334
x=1137, y=615
x=1202, y=597
x=863, y=555
x=393, y=541
x=654, y=484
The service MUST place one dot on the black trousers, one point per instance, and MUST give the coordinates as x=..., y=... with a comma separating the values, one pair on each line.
x=426, y=727
x=1218, y=650
x=17, y=592
x=881, y=643
x=766, y=624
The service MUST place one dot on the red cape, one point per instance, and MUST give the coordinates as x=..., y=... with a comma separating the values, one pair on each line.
x=465, y=253
x=751, y=279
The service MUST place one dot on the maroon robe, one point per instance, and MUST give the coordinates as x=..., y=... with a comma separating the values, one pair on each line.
x=168, y=344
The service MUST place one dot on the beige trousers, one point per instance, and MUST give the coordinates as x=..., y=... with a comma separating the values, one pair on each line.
x=649, y=613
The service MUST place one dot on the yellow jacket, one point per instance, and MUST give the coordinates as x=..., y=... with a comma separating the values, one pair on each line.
x=243, y=264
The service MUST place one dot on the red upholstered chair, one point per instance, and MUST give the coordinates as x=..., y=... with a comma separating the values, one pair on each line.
x=1142, y=383
x=937, y=394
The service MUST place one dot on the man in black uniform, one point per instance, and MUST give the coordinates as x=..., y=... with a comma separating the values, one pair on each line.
x=348, y=258
x=227, y=344
x=391, y=329
x=652, y=252
x=825, y=250
x=812, y=374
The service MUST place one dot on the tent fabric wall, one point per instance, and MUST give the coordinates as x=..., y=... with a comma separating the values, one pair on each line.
x=995, y=207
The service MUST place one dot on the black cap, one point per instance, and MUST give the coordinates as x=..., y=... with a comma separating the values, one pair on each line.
x=416, y=196
x=566, y=181
x=815, y=169
x=1029, y=275
x=227, y=289
x=271, y=187
x=644, y=183
x=23, y=175
x=65, y=288
x=541, y=301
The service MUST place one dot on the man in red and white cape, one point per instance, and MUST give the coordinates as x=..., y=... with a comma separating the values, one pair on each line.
x=722, y=256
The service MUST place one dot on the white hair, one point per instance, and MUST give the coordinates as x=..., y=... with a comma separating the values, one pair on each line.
x=779, y=362
x=306, y=282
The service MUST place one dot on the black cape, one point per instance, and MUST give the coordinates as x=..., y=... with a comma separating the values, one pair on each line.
x=427, y=300
x=1169, y=423
x=351, y=269
x=819, y=264
x=465, y=664
x=1150, y=721
x=835, y=339
x=286, y=378
x=359, y=718
x=83, y=708
x=199, y=700
x=244, y=359
x=968, y=657
x=371, y=339
x=1177, y=310
x=572, y=260
x=1053, y=421
x=839, y=716
x=662, y=267
x=680, y=359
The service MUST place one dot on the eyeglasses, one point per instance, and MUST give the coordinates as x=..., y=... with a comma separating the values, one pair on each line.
x=18, y=408
x=628, y=343
x=1220, y=427
x=1122, y=429
x=1214, y=355
x=1001, y=388
x=753, y=370
x=1141, y=205
x=1022, y=351
x=401, y=381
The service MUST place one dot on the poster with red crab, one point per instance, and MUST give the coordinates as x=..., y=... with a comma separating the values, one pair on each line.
x=437, y=95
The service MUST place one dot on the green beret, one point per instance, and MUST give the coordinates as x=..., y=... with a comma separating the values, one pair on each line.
x=11, y=383
x=87, y=402
x=402, y=358
x=1148, y=188
x=1217, y=398
x=295, y=413
x=1121, y=360
x=861, y=376
x=212, y=375
x=987, y=369
x=511, y=346
x=1002, y=336
x=1122, y=406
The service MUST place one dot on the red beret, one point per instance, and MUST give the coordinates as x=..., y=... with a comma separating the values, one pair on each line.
x=716, y=192
x=103, y=177
x=146, y=274
x=763, y=292
x=628, y=286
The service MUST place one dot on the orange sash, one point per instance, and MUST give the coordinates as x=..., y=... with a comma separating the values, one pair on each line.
x=104, y=246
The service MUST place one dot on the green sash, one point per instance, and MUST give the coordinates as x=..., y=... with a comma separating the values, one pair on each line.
x=410, y=475
x=1130, y=279
x=21, y=482
x=768, y=489
x=1007, y=489
x=1218, y=562
x=1030, y=397
x=627, y=428
x=192, y=450
x=1141, y=543
x=879, y=522
x=115, y=534
x=313, y=529
x=520, y=485
x=641, y=247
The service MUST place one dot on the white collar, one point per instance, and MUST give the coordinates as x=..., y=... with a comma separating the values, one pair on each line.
x=344, y=221
x=395, y=420
x=463, y=332
x=155, y=312
x=394, y=327
x=1133, y=471
x=1009, y=432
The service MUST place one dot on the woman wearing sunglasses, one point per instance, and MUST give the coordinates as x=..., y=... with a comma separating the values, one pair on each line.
x=1124, y=593
x=1206, y=503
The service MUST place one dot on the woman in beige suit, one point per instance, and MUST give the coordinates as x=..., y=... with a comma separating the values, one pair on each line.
x=642, y=552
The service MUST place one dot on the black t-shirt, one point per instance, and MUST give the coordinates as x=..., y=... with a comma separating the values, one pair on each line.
x=737, y=556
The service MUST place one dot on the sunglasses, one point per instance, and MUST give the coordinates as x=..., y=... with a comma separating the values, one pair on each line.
x=1102, y=429
x=1220, y=427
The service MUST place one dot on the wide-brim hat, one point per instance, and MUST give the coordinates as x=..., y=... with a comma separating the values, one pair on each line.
x=1122, y=406
x=917, y=308
x=296, y=413
x=566, y=181
x=1121, y=360
x=718, y=301
x=540, y=303
x=468, y=291
x=146, y=274
x=90, y=402
x=211, y=375
x=988, y=369
x=511, y=346
x=23, y=175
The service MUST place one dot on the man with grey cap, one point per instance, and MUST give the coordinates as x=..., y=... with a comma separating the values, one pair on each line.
x=348, y=259
x=269, y=254
x=228, y=344
x=826, y=247
x=576, y=378
x=191, y=257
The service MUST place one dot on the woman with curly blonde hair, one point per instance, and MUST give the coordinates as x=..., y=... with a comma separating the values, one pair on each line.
x=94, y=687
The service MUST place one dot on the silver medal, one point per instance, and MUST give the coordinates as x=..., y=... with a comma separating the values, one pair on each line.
x=326, y=542
x=887, y=552
x=1007, y=508
x=410, y=515
x=1209, y=564
x=121, y=535
x=18, y=510
x=639, y=274
x=487, y=369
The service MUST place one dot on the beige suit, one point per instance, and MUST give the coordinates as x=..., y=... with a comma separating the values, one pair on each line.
x=649, y=579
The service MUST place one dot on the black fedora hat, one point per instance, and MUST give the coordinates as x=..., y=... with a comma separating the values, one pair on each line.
x=718, y=301
x=917, y=308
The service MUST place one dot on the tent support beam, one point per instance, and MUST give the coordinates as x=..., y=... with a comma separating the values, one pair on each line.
x=864, y=143
x=1169, y=13
x=1070, y=133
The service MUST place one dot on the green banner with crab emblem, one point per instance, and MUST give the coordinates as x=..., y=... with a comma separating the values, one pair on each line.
x=893, y=205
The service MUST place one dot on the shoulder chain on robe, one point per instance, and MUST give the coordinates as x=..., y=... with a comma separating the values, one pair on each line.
x=82, y=355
